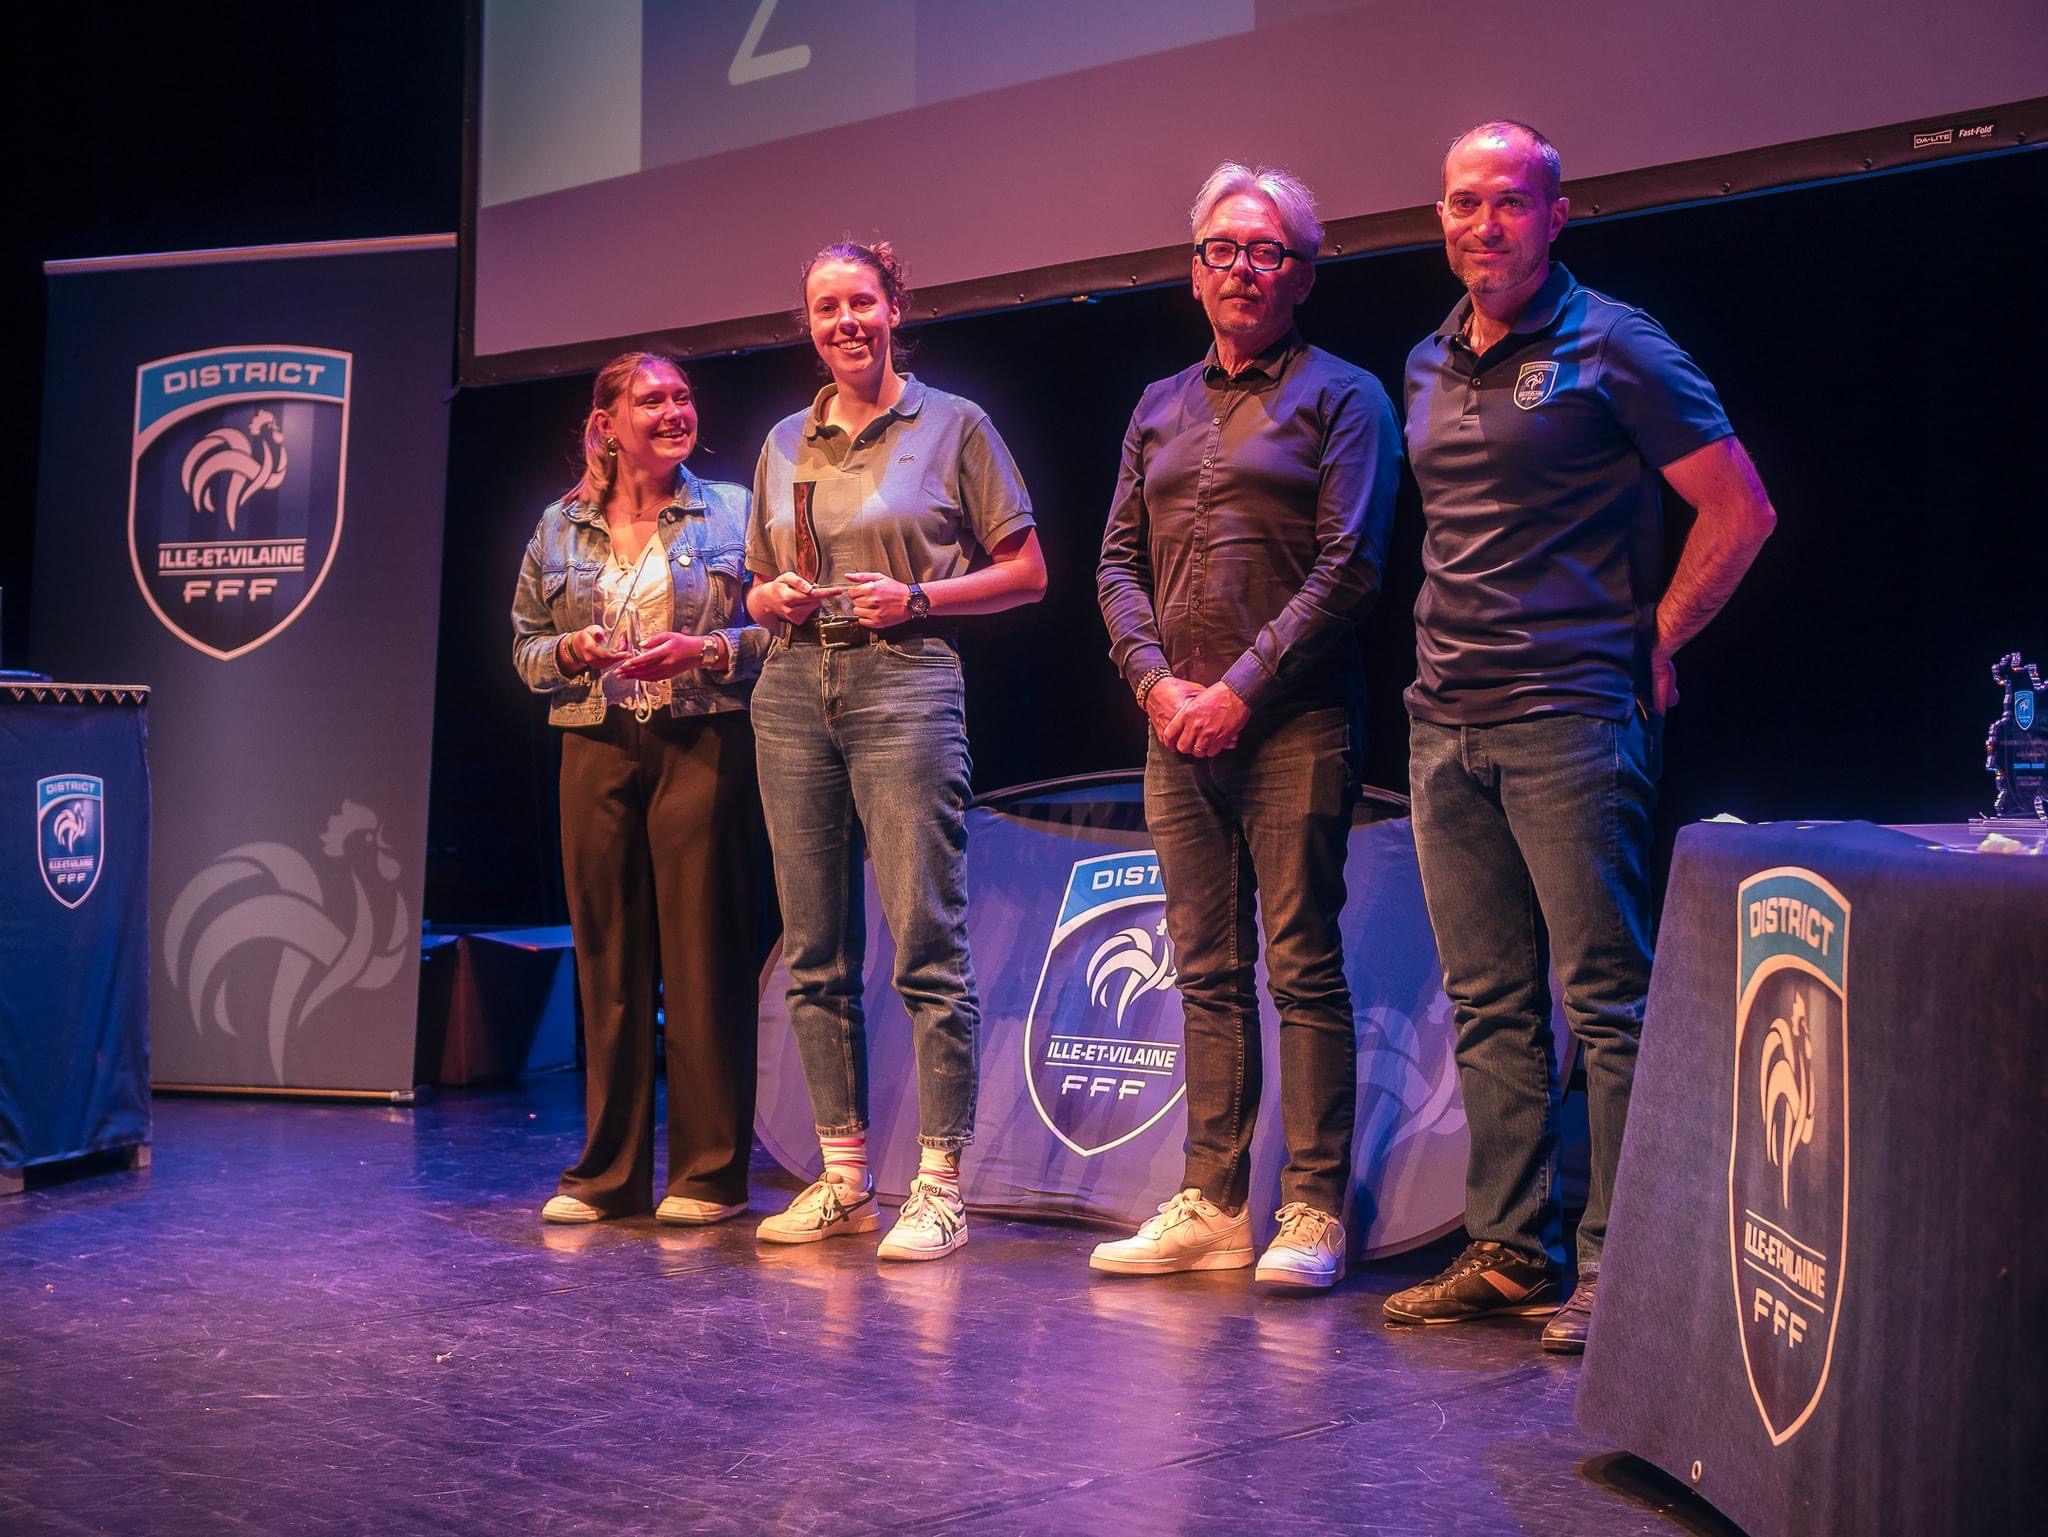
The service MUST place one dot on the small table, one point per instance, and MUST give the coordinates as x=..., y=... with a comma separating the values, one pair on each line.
x=74, y=924
x=1824, y=1301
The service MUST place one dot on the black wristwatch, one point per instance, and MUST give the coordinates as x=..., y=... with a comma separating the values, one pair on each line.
x=919, y=606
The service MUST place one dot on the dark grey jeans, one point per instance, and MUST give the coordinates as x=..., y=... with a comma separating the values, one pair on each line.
x=1534, y=842
x=1263, y=828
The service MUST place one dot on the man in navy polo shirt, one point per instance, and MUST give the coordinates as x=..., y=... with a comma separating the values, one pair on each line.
x=1543, y=419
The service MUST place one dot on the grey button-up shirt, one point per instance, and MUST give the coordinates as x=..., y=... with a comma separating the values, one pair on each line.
x=1250, y=525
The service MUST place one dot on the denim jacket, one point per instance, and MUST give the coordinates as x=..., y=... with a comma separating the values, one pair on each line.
x=704, y=531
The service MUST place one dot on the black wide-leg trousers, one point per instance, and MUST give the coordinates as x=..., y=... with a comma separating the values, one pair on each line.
x=660, y=847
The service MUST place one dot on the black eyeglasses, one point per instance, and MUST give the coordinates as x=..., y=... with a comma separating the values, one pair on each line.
x=1220, y=252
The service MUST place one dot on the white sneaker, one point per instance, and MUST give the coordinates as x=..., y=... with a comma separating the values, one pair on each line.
x=825, y=1208
x=1307, y=1251
x=1190, y=1233
x=682, y=1211
x=566, y=1208
x=932, y=1223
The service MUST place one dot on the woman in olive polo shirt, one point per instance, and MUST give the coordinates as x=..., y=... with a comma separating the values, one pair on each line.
x=882, y=513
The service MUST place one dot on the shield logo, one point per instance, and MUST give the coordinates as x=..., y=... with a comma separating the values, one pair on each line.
x=1788, y=1164
x=235, y=489
x=1102, y=1042
x=70, y=834
x=2023, y=708
x=1534, y=384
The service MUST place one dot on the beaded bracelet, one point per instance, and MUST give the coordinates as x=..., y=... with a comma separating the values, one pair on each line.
x=1150, y=681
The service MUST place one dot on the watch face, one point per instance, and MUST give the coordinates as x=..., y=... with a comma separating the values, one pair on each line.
x=919, y=605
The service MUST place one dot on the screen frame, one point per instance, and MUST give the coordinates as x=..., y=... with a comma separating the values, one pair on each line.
x=2016, y=126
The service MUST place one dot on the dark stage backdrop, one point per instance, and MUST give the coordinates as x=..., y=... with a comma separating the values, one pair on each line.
x=1871, y=340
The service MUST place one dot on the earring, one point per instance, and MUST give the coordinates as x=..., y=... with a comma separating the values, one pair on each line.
x=611, y=448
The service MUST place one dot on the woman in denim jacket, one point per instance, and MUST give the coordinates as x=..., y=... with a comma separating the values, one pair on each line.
x=630, y=615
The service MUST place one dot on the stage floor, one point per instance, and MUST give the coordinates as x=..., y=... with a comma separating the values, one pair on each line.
x=311, y=1318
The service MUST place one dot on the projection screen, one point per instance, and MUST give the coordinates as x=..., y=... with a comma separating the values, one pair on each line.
x=660, y=168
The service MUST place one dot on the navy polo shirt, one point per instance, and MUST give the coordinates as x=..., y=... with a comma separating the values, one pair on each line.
x=1543, y=543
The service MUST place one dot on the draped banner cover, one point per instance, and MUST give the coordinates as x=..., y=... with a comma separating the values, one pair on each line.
x=1082, y=1107
x=74, y=872
x=243, y=461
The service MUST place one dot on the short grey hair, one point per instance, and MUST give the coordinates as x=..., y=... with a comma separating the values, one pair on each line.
x=1291, y=200
x=1508, y=127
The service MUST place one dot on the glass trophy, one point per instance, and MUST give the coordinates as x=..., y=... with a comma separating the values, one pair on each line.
x=836, y=625
x=2016, y=748
x=621, y=618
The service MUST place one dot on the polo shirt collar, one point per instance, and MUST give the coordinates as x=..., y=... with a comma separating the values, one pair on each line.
x=1539, y=315
x=908, y=404
x=1269, y=364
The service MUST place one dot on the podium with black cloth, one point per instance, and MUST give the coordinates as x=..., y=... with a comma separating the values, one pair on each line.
x=1824, y=1302
x=74, y=924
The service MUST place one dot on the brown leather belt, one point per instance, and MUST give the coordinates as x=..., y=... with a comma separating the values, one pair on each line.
x=806, y=634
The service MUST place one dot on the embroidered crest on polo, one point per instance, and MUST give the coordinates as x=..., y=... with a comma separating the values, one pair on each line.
x=1788, y=1165
x=1534, y=384
x=70, y=834
x=1102, y=1039
x=235, y=492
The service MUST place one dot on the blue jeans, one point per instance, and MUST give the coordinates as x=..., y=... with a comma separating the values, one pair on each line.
x=1268, y=822
x=869, y=744
x=1534, y=842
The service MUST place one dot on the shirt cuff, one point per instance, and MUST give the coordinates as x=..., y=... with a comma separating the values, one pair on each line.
x=1141, y=661
x=1248, y=680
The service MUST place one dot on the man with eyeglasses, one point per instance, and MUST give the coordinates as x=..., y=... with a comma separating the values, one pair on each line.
x=1244, y=543
x=1542, y=419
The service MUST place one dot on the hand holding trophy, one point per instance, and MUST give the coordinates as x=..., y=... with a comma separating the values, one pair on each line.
x=837, y=626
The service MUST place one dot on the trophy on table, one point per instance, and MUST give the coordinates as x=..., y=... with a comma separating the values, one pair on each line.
x=2016, y=748
x=837, y=628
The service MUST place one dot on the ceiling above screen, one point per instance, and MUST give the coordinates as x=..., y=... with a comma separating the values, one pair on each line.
x=660, y=170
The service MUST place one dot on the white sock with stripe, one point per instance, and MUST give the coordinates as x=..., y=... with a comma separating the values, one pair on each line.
x=846, y=1159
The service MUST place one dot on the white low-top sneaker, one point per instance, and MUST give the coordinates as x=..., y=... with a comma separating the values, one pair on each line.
x=933, y=1222
x=1308, y=1250
x=1190, y=1233
x=825, y=1208
x=567, y=1208
x=684, y=1211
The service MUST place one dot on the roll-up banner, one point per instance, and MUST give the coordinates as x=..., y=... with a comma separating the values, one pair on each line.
x=242, y=482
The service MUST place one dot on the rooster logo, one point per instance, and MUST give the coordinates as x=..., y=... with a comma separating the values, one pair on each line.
x=263, y=901
x=1787, y=1078
x=1128, y=954
x=71, y=824
x=249, y=462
